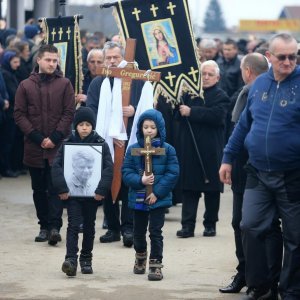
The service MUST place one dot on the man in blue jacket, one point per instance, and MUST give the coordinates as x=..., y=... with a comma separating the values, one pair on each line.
x=269, y=129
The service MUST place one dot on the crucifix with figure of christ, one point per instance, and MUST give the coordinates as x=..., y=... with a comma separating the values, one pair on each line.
x=127, y=74
x=148, y=151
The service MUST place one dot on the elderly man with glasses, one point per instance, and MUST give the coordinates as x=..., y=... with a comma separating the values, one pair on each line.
x=269, y=129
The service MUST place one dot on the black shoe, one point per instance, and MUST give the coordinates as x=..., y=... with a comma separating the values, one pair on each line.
x=258, y=294
x=127, y=239
x=54, y=237
x=10, y=174
x=184, y=233
x=42, y=237
x=235, y=286
x=167, y=210
x=69, y=267
x=104, y=224
x=110, y=236
x=86, y=267
x=209, y=231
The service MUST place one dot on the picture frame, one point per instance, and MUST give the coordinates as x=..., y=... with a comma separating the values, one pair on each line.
x=82, y=164
x=156, y=34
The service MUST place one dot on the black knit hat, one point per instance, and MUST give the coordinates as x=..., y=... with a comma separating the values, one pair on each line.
x=84, y=114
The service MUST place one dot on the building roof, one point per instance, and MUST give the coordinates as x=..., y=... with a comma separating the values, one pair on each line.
x=290, y=12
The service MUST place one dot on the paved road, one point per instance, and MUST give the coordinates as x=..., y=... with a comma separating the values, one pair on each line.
x=194, y=268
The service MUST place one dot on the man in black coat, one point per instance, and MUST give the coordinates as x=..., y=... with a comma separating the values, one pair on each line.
x=207, y=120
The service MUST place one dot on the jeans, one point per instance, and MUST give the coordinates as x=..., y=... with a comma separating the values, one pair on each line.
x=81, y=210
x=156, y=219
x=48, y=206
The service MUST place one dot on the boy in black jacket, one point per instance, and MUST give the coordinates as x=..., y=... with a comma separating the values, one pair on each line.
x=78, y=208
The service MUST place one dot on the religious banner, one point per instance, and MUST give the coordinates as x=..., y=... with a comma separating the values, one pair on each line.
x=165, y=43
x=64, y=34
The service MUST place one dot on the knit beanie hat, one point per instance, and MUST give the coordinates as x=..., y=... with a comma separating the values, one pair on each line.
x=84, y=114
x=30, y=31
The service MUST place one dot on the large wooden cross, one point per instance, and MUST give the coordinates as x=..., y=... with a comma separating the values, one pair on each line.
x=148, y=151
x=127, y=74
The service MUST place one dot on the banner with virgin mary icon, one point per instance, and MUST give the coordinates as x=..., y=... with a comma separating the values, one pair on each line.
x=165, y=42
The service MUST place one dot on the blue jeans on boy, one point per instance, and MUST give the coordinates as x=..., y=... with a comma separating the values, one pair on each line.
x=78, y=210
x=156, y=219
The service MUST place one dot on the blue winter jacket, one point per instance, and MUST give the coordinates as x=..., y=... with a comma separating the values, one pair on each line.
x=165, y=167
x=269, y=126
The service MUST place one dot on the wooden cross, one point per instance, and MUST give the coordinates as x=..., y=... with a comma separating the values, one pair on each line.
x=148, y=151
x=127, y=74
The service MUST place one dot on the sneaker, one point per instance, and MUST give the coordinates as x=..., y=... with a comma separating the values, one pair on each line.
x=69, y=267
x=54, y=237
x=259, y=294
x=42, y=237
x=128, y=239
x=110, y=236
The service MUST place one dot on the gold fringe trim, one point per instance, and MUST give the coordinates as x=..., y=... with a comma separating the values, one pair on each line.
x=121, y=32
x=78, y=57
x=45, y=30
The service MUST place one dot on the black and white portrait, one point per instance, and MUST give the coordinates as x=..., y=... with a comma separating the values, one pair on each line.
x=82, y=168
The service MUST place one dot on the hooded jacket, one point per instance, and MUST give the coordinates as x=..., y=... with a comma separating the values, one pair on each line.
x=270, y=124
x=44, y=107
x=165, y=167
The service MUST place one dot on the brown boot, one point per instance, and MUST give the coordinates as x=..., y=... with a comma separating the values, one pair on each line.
x=140, y=263
x=155, y=270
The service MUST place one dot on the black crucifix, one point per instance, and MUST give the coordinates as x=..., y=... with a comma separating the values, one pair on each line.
x=127, y=74
x=148, y=151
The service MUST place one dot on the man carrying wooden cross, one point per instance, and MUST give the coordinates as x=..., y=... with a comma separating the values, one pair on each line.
x=105, y=98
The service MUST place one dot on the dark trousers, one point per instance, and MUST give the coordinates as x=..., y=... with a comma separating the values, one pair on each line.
x=236, y=220
x=156, y=219
x=83, y=210
x=190, y=201
x=273, y=241
x=266, y=195
x=48, y=206
x=112, y=212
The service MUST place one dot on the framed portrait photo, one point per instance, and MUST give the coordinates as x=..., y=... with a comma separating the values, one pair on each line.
x=82, y=168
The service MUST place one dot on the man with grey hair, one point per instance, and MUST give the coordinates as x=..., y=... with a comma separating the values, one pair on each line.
x=201, y=130
x=252, y=65
x=95, y=59
x=269, y=128
x=209, y=49
x=113, y=56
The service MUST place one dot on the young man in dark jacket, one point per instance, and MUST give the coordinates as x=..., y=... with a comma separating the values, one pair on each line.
x=44, y=110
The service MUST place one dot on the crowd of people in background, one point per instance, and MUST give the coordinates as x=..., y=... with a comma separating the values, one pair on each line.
x=228, y=69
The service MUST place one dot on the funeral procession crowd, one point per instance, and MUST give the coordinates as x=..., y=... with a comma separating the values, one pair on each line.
x=242, y=131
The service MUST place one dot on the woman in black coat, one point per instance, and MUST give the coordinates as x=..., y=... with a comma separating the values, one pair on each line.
x=207, y=120
x=13, y=139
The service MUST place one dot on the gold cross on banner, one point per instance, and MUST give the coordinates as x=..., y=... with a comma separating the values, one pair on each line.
x=171, y=8
x=148, y=151
x=68, y=32
x=170, y=78
x=60, y=32
x=136, y=12
x=53, y=34
x=193, y=73
x=154, y=9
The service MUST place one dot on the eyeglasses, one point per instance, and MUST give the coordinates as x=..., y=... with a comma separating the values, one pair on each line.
x=282, y=57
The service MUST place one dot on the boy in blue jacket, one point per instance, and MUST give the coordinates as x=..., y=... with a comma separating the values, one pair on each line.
x=82, y=208
x=150, y=209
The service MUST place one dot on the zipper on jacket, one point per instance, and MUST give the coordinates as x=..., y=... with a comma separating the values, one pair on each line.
x=268, y=126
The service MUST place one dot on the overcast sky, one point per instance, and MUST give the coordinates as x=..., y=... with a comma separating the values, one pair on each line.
x=233, y=10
